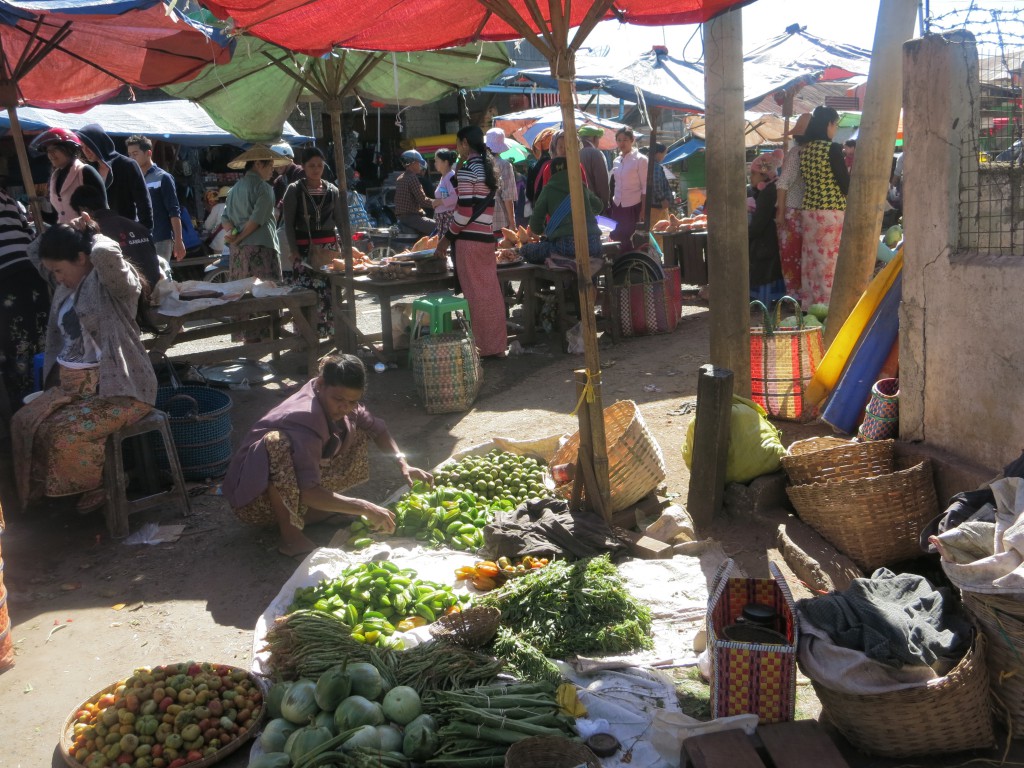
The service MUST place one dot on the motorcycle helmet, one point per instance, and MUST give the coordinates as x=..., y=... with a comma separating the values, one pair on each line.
x=54, y=136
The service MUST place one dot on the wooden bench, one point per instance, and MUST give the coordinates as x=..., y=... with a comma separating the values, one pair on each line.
x=247, y=314
x=800, y=744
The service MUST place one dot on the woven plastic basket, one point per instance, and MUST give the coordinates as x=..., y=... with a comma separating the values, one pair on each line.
x=471, y=628
x=549, y=752
x=949, y=714
x=874, y=521
x=818, y=459
x=635, y=462
x=446, y=371
x=1002, y=618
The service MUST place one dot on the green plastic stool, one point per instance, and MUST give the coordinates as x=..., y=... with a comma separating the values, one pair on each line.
x=440, y=306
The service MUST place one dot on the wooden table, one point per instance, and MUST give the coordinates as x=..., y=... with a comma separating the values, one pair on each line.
x=689, y=251
x=418, y=285
x=247, y=314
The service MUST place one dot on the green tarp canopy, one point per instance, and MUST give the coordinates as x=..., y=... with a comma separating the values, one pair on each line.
x=253, y=94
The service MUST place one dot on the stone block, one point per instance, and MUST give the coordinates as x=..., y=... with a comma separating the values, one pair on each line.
x=813, y=559
x=757, y=497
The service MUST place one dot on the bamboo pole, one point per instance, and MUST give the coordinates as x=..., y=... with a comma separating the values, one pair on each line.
x=869, y=183
x=22, y=151
x=728, y=259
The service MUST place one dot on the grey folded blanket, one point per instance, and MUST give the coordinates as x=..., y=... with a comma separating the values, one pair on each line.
x=894, y=619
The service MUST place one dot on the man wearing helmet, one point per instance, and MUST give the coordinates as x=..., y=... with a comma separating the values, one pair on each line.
x=69, y=172
x=411, y=202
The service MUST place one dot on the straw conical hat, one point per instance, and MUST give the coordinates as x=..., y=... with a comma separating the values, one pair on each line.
x=259, y=152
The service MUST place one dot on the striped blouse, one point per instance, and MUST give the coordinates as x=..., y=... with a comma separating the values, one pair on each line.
x=472, y=189
x=15, y=234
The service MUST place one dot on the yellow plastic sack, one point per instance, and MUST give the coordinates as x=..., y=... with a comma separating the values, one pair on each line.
x=755, y=445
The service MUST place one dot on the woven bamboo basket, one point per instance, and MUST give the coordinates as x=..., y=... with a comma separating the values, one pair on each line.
x=1002, y=618
x=949, y=714
x=549, y=752
x=874, y=521
x=635, y=462
x=67, y=730
x=471, y=628
x=818, y=459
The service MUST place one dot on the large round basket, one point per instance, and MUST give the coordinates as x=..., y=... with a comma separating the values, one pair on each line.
x=472, y=628
x=549, y=752
x=874, y=521
x=818, y=459
x=1002, y=618
x=949, y=714
x=67, y=730
x=200, y=420
x=635, y=463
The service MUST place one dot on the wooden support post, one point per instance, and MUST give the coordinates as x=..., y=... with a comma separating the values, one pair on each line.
x=869, y=181
x=592, y=464
x=348, y=309
x=710, y=445
x=728, y=263
x=646, y=213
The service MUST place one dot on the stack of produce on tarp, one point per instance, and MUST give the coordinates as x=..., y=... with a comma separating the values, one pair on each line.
x=863, y=500
x=165, y=717
x=898, y=667
x=980, y=538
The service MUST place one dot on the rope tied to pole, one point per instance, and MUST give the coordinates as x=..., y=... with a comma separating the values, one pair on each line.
x=588, y=392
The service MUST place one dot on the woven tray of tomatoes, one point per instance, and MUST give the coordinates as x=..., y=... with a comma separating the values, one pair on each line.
x=172, y=716
x=486, y=575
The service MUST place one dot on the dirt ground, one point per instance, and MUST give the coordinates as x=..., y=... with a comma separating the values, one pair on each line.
x=199, y=598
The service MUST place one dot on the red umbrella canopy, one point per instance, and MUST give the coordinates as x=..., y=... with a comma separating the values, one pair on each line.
x=418, y=25
x=97, y=55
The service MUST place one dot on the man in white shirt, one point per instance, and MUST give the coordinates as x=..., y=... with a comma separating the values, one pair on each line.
x=629, y=189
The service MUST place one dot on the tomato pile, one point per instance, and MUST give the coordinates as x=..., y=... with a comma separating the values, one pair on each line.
x=485, y=575
x=167, y=717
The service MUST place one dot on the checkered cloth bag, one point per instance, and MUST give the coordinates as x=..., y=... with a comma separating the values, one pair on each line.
x=751, y=677
x=650, y=306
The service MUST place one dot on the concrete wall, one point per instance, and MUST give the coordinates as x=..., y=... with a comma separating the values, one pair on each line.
x=961, y=345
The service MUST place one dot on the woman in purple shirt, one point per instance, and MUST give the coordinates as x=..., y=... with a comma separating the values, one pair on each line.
x=296, y=461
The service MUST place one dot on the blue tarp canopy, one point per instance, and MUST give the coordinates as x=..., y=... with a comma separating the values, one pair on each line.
x=177, y=121
x=683, y=151
x=658, y=79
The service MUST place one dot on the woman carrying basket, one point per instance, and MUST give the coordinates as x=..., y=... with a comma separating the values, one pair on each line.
x=297, y=461
x=102, y=379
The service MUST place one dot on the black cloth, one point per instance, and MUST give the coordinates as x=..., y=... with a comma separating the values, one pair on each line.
x=288, y=175
x=136, y=242
x=961, y=507
x=763, y=239
x=839, y=169
x=127, y=194
x=547, y=527
x=894, y=619
x=533, y=175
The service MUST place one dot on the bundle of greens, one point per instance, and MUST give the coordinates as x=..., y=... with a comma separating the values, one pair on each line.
x=570, y=608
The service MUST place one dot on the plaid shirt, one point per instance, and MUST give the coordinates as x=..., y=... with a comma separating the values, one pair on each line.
x=409, y=195
x=662, y=191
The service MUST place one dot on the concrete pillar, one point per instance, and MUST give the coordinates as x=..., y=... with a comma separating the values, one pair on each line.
x=940, y=123
x=728, y=259
x=865, y=202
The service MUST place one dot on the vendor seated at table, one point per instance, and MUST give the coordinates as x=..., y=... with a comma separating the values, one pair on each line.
x=552, y=216
x=411, y=201
x=296, y=462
